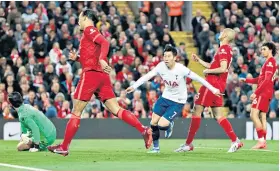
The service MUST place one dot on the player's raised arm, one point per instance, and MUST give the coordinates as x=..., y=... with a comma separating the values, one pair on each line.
x=250, y=80
x=143, y=79
x=197, y=78
x=203, y=63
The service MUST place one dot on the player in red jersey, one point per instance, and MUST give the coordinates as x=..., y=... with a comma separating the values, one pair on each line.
x=95, y=80
x=216, y=74
x=264, y=92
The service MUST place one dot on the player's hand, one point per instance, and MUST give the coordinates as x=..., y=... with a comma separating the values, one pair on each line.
x=106, y=68
x=242, y=80
x=25, y=139
x=218, y=93
x=73, y=55
x=206, y=71
x=253, y=96
x=129, y=90
x=195, y=57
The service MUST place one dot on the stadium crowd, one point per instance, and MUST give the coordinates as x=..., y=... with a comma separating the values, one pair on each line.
x=254, y=23
x=37, y=37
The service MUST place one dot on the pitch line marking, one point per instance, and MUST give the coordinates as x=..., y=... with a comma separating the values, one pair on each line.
x=213, y=148
x=22, y=167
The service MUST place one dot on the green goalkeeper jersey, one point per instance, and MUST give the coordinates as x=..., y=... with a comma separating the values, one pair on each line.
x=35, y=123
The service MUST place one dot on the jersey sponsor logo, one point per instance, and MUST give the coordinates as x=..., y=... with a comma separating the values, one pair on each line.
x=91, y=31
x=170, y=83
x=269, y=64
x=222, y=51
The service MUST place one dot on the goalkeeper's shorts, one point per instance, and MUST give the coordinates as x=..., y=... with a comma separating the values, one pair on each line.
x=47, y=141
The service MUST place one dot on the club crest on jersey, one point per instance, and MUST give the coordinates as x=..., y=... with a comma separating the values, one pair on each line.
x=170, y=83
x=269, y=64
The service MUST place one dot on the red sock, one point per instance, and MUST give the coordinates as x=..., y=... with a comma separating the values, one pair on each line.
x=225, y=124
x=260, y=132
x=130, y=119
x=70, y=131
x=195, y=124
x=264, y=134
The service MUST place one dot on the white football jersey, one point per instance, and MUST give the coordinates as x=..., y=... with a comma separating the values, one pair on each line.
x=174, y=81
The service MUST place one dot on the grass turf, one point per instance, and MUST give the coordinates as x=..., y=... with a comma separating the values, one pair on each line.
x=117, y=155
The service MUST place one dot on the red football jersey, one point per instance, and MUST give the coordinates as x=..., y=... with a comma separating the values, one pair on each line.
x=224, y=53
x=93, y=47
x=266, y=79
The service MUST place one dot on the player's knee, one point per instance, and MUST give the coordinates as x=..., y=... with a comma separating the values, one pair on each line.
x=163, y=125
x=198, y=110
x=154, y=122
x=76, y=112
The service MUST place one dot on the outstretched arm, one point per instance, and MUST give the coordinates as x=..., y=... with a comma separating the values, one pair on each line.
x=144, y=78
x=252, y=80
x=203, y=63
x=188, y=73
x=197, y=78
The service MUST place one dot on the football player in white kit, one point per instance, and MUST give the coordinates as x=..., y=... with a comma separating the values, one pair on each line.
x=174, y=95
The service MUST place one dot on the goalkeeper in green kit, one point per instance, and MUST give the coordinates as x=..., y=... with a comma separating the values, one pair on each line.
x=38, y=131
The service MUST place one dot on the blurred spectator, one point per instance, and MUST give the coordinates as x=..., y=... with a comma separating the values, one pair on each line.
x=51, y=111
x=235, y=97
x=175, y=11
x=40, y=48
x=28, y=17
x=157, y=14
x=138, y=107
x=242, y=107
x=274, y=105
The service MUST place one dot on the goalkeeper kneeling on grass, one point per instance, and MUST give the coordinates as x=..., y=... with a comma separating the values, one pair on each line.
x=38, y=131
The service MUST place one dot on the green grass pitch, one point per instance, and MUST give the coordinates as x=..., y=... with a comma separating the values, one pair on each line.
x=130, y=155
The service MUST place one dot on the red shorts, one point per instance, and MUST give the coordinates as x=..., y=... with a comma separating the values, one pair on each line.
x=93, y=82
x=261, y=103
x=206, y=98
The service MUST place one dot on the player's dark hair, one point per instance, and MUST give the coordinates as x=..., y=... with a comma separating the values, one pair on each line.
x=91, y=15
x=271, y=46
x=170, y=48
x=15, y=99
